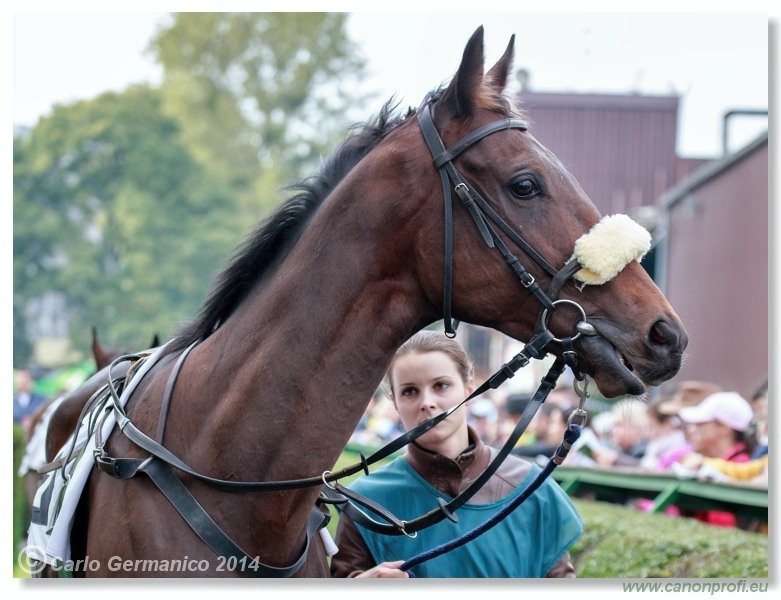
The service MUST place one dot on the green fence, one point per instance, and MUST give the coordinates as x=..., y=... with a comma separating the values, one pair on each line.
x=621, y=486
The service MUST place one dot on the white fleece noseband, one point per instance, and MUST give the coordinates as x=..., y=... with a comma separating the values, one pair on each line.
x=610, y=246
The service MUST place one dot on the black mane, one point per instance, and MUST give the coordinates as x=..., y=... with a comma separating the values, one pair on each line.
x=272, y=238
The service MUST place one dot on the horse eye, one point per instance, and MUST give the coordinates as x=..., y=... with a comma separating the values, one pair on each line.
x=525, y=188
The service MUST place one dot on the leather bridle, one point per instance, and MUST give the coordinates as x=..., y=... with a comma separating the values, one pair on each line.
x=483, y=215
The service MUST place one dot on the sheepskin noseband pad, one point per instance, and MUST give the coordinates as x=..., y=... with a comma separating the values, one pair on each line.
x=610, y=246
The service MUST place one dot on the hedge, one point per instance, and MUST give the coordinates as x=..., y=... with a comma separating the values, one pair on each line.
x=621, y=542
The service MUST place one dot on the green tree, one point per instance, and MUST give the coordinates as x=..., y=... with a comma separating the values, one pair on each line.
x=126, y=205
x=261, y=96
x=113, y=213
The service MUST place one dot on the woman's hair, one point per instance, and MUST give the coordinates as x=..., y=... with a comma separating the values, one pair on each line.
x=427, y=340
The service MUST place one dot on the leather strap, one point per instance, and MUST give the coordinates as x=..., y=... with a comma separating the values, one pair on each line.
x=211, y=533
x=169, y=391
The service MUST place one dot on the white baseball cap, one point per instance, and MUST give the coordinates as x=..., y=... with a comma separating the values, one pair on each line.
x=727, y=408
x=484, y=408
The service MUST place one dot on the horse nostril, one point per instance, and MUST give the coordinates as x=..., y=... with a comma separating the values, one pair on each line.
x=663, y=334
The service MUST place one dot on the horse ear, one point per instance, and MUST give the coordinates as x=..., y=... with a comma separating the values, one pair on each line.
x=497, y=75
x=95, y=343
x=98, y=352
x=460, y=98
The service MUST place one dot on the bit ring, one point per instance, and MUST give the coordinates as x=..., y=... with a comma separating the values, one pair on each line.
x=544, y=316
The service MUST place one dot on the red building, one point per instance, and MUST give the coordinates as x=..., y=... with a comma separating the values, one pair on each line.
x=709, y=220
x=713, y=265
x=620, y=148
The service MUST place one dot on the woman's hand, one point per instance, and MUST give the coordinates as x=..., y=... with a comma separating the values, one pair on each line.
x=386, y=570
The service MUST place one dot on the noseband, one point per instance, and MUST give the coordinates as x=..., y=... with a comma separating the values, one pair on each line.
x=481, y=212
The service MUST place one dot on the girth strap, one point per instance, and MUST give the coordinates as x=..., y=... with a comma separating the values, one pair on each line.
x=211, y=533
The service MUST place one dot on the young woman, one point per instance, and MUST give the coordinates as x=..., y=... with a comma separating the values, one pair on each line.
x=429, y=374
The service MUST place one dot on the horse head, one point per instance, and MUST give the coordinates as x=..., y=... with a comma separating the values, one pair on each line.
x=544, y=220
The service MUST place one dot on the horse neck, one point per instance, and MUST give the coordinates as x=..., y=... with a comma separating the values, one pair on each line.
x=310, y=346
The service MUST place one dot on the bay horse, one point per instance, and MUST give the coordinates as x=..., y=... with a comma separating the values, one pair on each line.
x=301, y=325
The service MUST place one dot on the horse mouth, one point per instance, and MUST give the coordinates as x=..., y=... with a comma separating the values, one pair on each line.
x=611, y=370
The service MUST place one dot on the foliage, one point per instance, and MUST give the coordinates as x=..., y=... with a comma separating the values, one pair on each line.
x=112, y=213
x=620, y=542
x=126, y=205
x=259, y=94
x=22, y=348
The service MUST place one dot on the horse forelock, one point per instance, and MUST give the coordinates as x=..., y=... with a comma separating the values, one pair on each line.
x=265, y=247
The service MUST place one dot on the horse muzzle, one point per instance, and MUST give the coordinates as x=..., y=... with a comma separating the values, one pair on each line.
x=621, y=365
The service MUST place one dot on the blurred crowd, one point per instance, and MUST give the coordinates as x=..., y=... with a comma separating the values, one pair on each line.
x=694, y=430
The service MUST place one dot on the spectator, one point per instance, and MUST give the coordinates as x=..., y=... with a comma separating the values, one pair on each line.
x=509, y=415
x=689, y=393
x=663, y=415
x=602, y=424
x=484, y=419
x=379, y=423
x=26, y=401
x=538, y=426
x=554, y=419
x=754, y=471
x=564, y=397
x=717, y=428
x=760, y=422
x=666, y=438
x=628, y=437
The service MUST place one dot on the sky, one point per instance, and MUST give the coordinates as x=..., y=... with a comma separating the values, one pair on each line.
x=714, y=61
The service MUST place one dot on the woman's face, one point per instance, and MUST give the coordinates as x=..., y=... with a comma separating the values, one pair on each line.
x=708, y=438
x=425, y=385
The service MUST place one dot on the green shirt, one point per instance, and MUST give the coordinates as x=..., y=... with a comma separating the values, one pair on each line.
x=527, y=543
